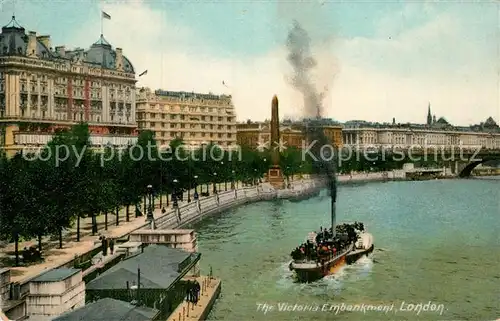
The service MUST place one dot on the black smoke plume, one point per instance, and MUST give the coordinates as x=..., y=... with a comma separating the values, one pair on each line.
x=303, y=63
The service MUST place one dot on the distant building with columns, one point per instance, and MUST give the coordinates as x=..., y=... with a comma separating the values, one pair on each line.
x=435, y=133
x=43, y=89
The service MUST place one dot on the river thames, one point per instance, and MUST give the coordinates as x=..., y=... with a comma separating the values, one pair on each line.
x=436, y=255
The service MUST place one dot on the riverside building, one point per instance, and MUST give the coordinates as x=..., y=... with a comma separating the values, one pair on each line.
x=195, y=118
x=43, y=89
x=433, y=134
x=255, y=134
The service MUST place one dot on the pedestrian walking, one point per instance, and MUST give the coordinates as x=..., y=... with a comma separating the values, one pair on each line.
x=197, y=289
x=189, y=291
x=111, y=246
x=104, y=245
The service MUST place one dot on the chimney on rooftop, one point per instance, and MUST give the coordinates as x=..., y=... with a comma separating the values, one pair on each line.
x=31, y=48
x=119, y=59
x=45, y=40
x=61, y=51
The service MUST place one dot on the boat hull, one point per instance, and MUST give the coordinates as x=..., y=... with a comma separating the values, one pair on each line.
x=307, y=273
x=357, y=254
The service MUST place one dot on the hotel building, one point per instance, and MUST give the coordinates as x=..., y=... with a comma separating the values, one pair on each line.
x=195, y=118
x=43, y=89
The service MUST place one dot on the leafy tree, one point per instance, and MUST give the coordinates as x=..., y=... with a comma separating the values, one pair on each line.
x=15, y=221
x=60, y=184
x=291, y=162
x=127, y=179
x=81, y=160
x=40, y=203
x=143, y=164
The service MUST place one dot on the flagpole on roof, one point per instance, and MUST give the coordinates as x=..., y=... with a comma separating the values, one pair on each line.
x=104, y=15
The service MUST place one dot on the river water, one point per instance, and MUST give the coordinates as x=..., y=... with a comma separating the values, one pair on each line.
x=436, y=241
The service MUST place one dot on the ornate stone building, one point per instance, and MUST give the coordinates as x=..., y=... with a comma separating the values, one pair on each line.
x=195, y=118
x=44, y=88
x=255, y=134
x=362, y=134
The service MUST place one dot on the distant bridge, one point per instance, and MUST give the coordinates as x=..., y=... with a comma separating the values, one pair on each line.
x=461, y=160
x=488, y=161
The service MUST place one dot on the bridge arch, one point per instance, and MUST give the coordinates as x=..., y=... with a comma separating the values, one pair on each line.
x=468, y=169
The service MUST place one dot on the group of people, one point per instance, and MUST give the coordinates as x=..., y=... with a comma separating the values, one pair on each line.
x=193, y=291
x=320, y=251
x=105, y=244
x=326, y=246
x=31, y=254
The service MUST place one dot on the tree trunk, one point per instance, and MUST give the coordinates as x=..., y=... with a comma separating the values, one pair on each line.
x=40, y=242
x=161, y=204
x=60, y=238
x=117, y=216
x=94, y=224
x=145, y=209
x=128, y=213
x=78, y=228
x=16, y=249
x=105, y=220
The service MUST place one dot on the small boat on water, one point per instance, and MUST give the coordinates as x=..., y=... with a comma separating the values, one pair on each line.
x=324, y=253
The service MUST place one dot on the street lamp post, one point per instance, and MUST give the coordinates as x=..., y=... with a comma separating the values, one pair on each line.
x=266, y=166
x=174, y=194
x=225, y=178
x=233, y=179
x=168, y=203
x=195, y=177
x=150, y=216
x=161, y=183
x=189, y=184
x=215, y=179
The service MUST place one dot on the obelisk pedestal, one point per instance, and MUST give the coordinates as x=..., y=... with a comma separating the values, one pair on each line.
x=275, y=175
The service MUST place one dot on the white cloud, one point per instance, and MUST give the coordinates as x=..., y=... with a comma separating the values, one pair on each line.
x=376, y=79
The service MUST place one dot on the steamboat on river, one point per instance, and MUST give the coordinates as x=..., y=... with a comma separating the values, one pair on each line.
x=324, y=252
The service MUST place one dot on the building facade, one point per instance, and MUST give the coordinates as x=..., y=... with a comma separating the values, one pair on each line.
x=366, y=135
x=43, y=89
x=257, y=134
x=195, y=118
x=159, y=272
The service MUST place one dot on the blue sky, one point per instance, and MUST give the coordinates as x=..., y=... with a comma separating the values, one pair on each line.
x=378, y=60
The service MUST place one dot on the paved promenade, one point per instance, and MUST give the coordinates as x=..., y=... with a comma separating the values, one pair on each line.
x=55, y=257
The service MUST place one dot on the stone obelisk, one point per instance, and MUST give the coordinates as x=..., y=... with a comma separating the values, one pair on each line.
x=275, y=176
